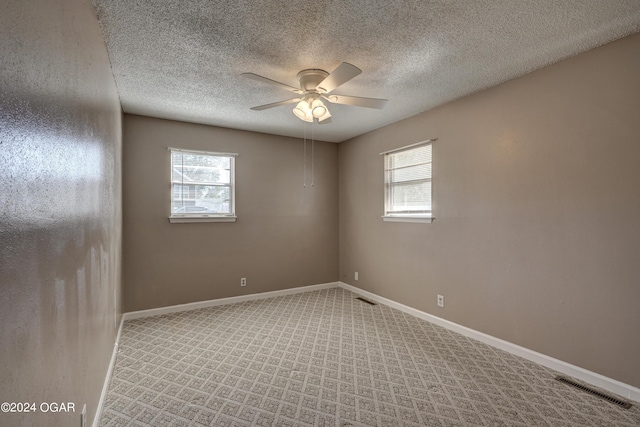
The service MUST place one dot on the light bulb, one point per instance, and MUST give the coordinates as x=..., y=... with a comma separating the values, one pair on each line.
x=318, y=109
x=324, y=117
x=302, y=111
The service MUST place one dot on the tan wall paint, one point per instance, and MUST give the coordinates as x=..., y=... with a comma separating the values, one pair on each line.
x=60, y=208
x=536, y=194
x=285, y=236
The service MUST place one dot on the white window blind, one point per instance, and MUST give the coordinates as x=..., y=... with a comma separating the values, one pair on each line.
x=202, y=184
x=408, y=181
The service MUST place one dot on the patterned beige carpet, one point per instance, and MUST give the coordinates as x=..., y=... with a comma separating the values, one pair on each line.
x=324, y=358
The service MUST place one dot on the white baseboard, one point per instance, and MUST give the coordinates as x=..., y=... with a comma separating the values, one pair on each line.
x=223, y=301
x=105, y=387
x=609, y=384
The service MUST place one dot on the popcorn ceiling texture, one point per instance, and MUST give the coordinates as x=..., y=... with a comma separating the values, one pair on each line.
x=182, y=60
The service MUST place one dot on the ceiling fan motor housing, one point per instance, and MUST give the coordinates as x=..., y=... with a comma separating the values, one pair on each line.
x=311, y=78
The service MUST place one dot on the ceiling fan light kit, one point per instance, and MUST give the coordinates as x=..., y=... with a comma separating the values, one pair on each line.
x=311, y=107
x=315, y=84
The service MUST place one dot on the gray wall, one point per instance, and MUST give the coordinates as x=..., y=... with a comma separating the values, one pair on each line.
x=60, y=208
x=537, y=232
x=285, y=236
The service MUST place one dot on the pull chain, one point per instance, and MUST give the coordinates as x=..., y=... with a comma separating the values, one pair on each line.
x=312, y=150
x=304, y=158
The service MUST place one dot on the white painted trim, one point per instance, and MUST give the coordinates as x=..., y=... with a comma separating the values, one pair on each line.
x=625, y=390
x=184, y=150
x=223, y=301
x=400, y=218
x=406, y=147
x=105, y=386
x=203, y=218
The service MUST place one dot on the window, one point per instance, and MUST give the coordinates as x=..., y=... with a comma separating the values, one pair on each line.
x=202, y=186
x=407, y=179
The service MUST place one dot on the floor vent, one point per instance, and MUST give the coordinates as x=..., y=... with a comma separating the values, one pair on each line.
x=594, y=392
x=367, y=301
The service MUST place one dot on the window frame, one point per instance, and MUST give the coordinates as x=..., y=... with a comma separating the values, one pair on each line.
x=204, y=217
x=421, y=217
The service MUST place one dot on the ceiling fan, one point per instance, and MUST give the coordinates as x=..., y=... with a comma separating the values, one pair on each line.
x=316, y=85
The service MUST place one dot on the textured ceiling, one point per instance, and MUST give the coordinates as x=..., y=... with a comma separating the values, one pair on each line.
x=182, y=59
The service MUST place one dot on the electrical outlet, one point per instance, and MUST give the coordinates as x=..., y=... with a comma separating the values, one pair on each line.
x=83, y=416
x=243, y=281
x=356, y=275
x=440, y=301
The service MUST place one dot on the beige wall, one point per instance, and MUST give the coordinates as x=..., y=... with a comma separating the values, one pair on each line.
x=537, y=200
x=285, y=236
x=60, y=208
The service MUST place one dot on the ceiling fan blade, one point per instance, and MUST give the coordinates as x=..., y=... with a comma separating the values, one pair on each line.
x=357, y=101
x=339, y=76
x=275, y=104
x=271, y=82
x=325, y=121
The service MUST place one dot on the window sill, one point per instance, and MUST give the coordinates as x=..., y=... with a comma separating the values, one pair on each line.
x=204, y=218
x=408, y=218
